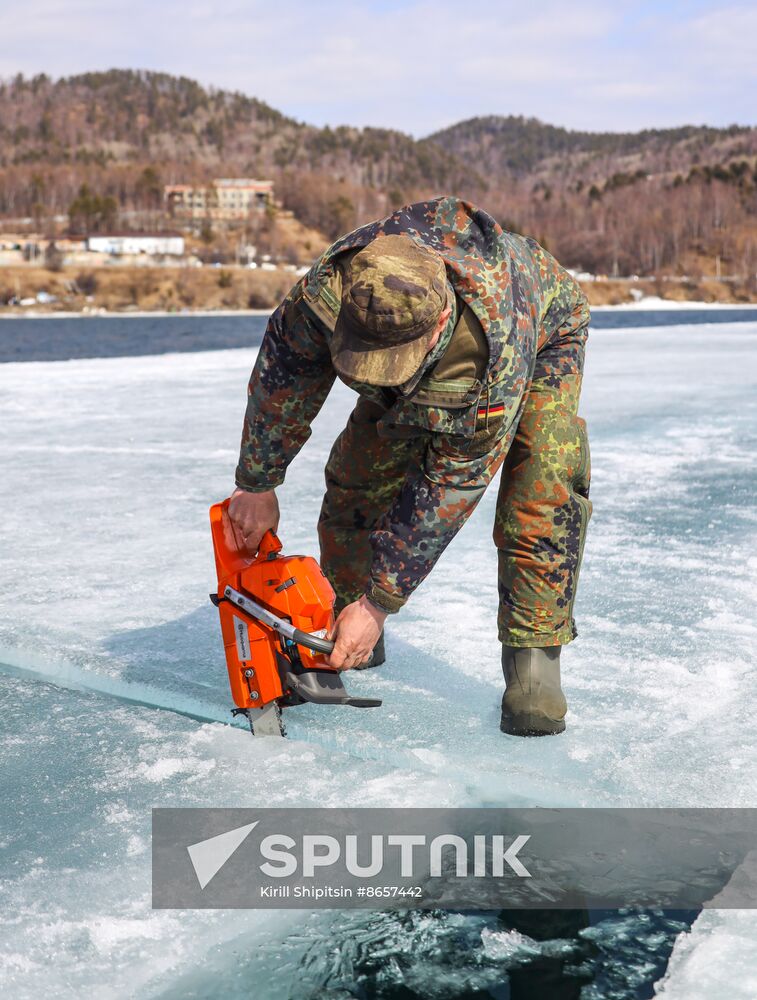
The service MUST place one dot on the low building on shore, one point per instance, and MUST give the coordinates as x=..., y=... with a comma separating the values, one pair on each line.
x=132, y=244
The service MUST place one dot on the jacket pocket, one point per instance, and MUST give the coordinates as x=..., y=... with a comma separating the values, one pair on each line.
x=580, y=491
x=408, y=419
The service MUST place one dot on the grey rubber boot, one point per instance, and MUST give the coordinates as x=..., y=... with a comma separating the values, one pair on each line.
x=533, y=703
x=379, y=655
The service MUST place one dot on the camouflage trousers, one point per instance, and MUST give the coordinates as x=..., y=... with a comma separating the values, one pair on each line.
x=541, y=515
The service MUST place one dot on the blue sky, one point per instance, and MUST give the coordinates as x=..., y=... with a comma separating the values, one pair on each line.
x=418, y=65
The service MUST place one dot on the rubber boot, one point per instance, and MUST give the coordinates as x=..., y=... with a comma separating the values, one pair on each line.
x=533, y=703
x=379, y=656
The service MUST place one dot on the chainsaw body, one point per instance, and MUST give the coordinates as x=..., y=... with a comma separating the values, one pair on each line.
x=275, y=612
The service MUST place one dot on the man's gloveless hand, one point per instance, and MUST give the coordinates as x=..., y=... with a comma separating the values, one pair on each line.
x=250, y=516
x=356, y=631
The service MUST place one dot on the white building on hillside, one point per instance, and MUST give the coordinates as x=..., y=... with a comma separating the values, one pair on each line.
x=153, y=244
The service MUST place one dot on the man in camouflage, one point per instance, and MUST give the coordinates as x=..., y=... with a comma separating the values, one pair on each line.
x=465, y=345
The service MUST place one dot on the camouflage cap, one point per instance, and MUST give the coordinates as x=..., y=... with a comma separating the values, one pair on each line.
x=393, y=293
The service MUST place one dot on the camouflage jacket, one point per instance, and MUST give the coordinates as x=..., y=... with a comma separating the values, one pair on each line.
x=521, y=298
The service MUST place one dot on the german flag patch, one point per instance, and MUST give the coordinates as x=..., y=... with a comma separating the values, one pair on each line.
x=495, y=410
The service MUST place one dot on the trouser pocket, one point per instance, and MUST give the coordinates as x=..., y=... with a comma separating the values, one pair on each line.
x=580, y=495
x=582, y=478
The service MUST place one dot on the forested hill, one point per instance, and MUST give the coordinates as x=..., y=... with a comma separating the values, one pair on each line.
x=519, y=146
x=99, y=127
x=652, y=201
x=680, y=200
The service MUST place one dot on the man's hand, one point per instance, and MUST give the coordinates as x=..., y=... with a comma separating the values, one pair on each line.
x=251, y=515
x=356, y=631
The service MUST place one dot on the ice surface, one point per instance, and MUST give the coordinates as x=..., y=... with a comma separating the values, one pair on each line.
x=716, y=959
x=642, y=302
x=109, y=467
x=82, y=774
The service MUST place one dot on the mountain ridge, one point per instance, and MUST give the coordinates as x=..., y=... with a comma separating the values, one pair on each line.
x=654, y=200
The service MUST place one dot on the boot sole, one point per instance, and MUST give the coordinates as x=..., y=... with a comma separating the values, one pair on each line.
x=531, y=725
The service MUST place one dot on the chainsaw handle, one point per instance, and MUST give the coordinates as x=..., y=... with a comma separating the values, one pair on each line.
x=322, y=646
x=270, y=544
x=313, y=642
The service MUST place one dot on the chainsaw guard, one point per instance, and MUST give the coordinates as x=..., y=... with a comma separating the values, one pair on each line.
x=320, y=687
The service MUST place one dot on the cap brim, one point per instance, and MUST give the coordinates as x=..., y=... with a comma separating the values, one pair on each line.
x=361, y=361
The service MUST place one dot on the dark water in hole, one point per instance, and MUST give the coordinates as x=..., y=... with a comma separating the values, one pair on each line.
x=510, y=955
x=59, y=339
x=443, y=955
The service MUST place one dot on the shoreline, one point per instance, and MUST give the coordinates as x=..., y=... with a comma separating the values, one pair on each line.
x=31, y=313
x=653, y=304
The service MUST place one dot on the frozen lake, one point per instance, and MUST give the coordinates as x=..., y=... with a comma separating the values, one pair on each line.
x=59, y=338
x=114, y=686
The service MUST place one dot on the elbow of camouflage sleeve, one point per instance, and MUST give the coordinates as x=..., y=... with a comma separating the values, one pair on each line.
x=384, y=601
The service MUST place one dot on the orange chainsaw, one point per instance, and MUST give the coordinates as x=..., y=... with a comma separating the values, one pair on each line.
x=276, y=612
